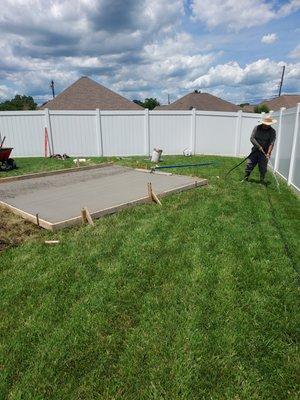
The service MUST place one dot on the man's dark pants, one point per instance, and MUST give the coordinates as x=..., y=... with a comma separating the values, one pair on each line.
x=257, y=157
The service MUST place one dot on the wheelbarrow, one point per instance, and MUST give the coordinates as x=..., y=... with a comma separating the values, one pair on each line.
x=6, y=163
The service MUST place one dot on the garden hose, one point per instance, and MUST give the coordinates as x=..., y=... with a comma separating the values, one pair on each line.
x=252, y=152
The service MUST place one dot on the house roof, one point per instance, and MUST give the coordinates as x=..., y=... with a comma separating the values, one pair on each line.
x=286, y=100
x=248, y=108
x=200, y=101
x=86, y=94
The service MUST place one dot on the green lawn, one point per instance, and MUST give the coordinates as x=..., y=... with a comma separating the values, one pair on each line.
x=198, y=299
x=37, y=164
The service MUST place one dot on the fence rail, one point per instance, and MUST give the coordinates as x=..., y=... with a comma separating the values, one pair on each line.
x=126, y=133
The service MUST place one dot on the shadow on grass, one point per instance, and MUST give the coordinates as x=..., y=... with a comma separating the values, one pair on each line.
x=258, y=182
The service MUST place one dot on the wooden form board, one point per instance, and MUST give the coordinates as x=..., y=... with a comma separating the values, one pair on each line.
x=55, y=172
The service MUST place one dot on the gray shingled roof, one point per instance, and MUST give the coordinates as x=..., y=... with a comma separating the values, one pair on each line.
x=248, y=108
x=286, y=100
x=200, y=101
x=86, y=94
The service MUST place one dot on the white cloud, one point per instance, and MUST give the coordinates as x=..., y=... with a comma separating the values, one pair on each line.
x=5, y=92
x=62, y=40
x=137, y=49
x=296, y=52
x=258, y=79
x=236, y=15
x=269, y=38
x=233, y=74
x=168, y=65
x=293, y=72
x=288, y=8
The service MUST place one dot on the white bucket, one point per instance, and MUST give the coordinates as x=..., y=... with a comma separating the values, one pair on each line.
x=187, y=152
x=156, y=155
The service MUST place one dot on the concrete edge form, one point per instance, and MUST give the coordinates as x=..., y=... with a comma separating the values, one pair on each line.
x=28, y=217
x=97, y=214
x=49, y=173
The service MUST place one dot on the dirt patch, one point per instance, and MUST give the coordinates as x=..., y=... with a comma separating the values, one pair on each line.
x=14, y=230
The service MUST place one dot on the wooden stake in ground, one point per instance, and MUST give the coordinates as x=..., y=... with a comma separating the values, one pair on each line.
x=86, y=216
x=46, y=142
x=83, y=216
x=37, y=219
x=152, y=194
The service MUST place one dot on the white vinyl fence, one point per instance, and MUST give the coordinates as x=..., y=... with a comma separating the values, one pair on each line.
x=127, y=133
x=286, y=154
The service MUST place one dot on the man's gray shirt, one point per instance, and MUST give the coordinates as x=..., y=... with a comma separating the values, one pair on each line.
x=263, y=137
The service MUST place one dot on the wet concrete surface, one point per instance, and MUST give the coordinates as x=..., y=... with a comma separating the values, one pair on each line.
x=60, y=197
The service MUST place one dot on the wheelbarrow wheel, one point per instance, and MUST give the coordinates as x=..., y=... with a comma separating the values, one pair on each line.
x=9, y=164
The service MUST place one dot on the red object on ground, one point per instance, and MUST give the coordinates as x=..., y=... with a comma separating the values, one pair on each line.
x=5, y=153
x=46, y=142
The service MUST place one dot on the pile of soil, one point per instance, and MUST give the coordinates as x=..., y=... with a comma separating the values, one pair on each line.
x=14, y=230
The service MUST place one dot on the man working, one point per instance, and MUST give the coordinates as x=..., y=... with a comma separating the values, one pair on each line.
x=263, y=139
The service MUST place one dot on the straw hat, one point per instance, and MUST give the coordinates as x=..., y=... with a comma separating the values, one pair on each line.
x=268, y=120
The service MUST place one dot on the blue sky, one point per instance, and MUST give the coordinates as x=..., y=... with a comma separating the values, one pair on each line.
x=234, y=49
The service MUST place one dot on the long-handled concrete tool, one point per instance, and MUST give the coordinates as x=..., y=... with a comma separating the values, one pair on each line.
x=157, y=167
x=2, y=141
x=240, y=163
x=269, y=162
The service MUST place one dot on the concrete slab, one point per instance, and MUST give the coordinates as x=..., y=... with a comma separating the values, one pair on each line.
x=58, y=199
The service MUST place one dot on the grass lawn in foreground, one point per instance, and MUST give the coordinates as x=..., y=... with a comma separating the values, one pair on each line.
x=198, y=299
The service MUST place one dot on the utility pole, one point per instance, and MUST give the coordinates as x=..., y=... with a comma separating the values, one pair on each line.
x=52, y=87
x=168, y=98
x=281, y=82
